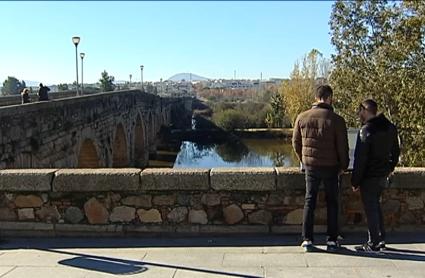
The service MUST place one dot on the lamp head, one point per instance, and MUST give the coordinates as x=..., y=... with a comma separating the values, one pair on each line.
x=76, y=40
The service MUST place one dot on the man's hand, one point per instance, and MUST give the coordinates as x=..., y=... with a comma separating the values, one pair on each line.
x=340, y=172
x=355, y=188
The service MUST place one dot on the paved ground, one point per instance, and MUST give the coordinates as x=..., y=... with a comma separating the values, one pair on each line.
x=259, y=256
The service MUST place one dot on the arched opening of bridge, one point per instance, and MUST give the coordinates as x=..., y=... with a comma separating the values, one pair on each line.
x=139, y=143
x=87, y=157
x=119, y=149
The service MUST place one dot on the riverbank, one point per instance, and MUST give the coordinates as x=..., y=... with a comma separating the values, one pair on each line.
x=264, y=133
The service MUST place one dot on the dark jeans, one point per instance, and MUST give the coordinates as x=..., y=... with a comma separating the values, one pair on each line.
x=371, y=190
x=313, y=180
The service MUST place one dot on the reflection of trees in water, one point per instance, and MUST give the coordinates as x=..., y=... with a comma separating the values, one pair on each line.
x=232, y=152
x=280, y=152
x=252, y=153
x=191, y=152
x=278, y=159
x=253, y=159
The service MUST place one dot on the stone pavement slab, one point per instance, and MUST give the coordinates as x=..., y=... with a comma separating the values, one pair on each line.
x=5, y=269
x=309, y=272
x=186, y=257
x=237, y=256
x=323, y=259
x=417, y=272
x=254, y=272
x=250, y=259
x=31, y=258
x=71, y=272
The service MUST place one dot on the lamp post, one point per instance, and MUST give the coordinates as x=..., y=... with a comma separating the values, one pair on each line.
x=129, y=86
x=76, y=41
x=82, y=54
x=141, y=70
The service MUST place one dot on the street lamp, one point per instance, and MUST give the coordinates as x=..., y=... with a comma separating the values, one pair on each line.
x=141, y=69
x=82, y=54
x=76, y=41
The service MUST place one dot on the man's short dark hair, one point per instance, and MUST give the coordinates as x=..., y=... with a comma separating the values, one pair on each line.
x=370, y=105
x=323, y=92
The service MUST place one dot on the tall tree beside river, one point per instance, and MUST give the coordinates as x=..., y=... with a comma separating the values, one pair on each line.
x=380, y=54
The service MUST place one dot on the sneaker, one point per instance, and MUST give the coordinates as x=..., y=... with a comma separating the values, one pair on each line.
x=367, y=248
x=333, y=246
x=307, y=245
x=381, y=245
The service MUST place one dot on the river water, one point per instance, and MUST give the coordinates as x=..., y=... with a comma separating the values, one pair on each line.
x=246, y=153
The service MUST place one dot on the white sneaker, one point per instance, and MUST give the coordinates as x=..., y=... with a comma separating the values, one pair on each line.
x=332, y=246
x=307, y=245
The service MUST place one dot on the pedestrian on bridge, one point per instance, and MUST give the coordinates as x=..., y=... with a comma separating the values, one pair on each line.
x=375, y=157
x=25, y=96
x=43, y=93
x=321, y=143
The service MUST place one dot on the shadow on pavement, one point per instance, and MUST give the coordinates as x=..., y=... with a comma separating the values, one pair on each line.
x=235, y=240
x=103, y=265
x=126, y=267
x=388, y=254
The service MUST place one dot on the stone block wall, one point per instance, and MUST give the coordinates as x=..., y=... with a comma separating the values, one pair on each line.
x=16, y=99
x=51, y=134
x=62, y=202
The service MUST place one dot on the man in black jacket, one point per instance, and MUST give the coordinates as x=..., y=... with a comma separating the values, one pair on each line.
x=43, y=93
x=375, y=157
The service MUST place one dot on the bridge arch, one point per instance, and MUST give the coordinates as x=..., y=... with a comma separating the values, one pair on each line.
x=119, y=148
x=88, y=156
x=139, y=143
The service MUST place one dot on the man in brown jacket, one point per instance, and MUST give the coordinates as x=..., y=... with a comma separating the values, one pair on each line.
x=321, y=143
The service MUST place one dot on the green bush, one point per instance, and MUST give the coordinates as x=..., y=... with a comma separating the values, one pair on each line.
x=230, y=119
x=231, y=115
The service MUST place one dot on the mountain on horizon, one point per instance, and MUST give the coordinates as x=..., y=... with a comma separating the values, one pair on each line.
x=31, y=83
x=187, y=76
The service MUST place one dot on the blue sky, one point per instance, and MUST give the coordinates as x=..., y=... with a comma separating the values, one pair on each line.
x=211, y=39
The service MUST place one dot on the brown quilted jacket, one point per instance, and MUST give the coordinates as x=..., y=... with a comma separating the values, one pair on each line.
x=320, y=138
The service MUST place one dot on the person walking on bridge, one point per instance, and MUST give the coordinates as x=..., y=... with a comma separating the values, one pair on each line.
x=321, y=144
x=375, y=157
x=25, y=96
x=43, y=93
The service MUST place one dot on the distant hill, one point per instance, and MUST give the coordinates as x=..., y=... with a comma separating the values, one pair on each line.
x=30, y=83
x=187, y=76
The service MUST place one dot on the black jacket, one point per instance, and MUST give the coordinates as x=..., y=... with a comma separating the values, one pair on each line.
x=43, y=93
x=377, y=150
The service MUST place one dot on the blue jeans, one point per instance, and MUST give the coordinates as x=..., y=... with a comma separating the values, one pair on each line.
x=314, y=178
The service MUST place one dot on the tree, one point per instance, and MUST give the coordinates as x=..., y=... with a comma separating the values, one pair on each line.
x=380, y=54
x=106, y=82
x=298, y=92
x=63, y=87
x=12, y=86
x=276, y=116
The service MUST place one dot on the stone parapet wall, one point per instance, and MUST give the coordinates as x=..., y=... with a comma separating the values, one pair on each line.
x=130, y=201
x=17, y=100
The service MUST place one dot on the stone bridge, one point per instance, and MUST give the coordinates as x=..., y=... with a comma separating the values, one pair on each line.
x=114, y=129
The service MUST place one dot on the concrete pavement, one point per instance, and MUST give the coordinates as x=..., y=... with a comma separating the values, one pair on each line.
x=225, y=256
